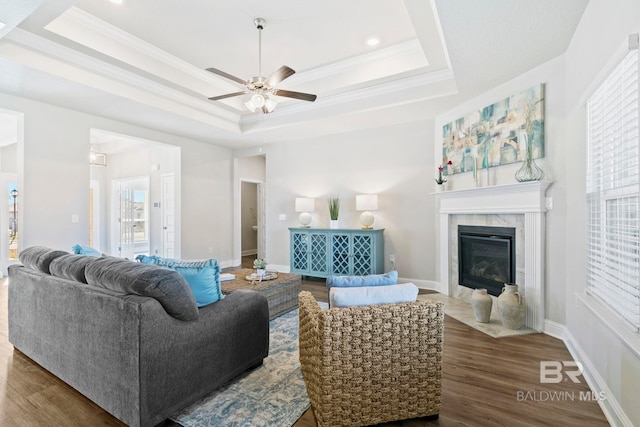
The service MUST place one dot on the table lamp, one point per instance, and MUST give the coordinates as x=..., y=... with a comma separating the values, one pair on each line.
x=367, y=203
x=305, y=205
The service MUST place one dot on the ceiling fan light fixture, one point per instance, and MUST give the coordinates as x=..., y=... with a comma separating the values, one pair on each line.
x=270, y=105
x=250, y=106
x=260, y=86
x=258, y=100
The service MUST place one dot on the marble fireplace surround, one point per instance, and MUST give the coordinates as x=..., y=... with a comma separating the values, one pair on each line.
x=521, y=206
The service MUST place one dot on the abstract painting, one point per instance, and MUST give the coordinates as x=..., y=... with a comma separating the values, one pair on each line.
x=497, y=134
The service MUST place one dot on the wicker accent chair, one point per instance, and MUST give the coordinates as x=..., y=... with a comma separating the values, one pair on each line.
x=371, y=364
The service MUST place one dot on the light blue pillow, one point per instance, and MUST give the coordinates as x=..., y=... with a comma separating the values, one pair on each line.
x=86, y=250
x=203, y=277
x=390, y=278
x=369, y=295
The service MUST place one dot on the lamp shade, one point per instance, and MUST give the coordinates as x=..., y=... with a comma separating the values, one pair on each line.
x=305, y=204
x=367, y=202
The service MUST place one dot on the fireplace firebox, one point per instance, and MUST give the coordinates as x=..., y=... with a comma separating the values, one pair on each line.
x=486, y=257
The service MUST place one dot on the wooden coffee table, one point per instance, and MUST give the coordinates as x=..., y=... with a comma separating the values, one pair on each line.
x=281, y=292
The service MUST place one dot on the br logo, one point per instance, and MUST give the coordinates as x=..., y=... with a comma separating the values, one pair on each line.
x=553, y=372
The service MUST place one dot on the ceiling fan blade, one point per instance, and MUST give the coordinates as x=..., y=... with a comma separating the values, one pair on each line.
x=226, y=75
x=296, y=95
x=278, y=76
x=228, y=95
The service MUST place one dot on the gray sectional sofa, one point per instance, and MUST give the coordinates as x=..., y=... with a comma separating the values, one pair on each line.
x=129, y=336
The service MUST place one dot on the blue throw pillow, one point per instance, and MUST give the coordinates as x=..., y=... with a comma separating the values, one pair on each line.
x=368, y=295
x=390, y=278
x=203, y=276
x=85, y=250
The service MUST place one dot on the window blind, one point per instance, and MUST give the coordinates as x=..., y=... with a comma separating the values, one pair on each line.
x=613, y=190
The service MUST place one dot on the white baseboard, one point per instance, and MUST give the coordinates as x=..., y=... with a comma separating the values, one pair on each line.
x=610, y=406
x=279, y=268
x=423, y=284
x=555, y=329
x=230, y=263
x=250, y=252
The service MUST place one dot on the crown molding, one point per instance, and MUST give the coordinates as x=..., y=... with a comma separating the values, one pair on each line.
x=77, y=18
x=363, y=96
x=222, y=117
x=156, y=61
x=392, y=53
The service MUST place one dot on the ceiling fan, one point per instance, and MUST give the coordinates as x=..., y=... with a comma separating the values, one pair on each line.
x=262, y=88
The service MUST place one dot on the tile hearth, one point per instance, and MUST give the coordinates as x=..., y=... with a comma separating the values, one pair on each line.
x=462, y=312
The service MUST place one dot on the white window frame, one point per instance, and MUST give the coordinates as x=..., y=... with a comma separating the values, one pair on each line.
x=613, y=158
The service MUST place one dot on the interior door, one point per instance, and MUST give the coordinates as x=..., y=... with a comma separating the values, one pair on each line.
x=168, y=216
x=262, y=221
x=131, y=217
x=125, y=244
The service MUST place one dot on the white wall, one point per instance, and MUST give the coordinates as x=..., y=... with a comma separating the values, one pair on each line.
x=9, y=158
x=54, y=177
x=611, y=358
x=393, y=162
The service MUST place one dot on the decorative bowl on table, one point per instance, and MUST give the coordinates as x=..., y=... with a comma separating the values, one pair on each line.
x=268, y=275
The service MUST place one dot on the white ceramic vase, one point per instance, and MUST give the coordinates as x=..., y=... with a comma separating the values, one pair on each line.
x=511, y=307
x=333, y=224
x=481, y=302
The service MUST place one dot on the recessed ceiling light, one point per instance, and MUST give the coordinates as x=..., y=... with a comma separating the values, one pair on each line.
x=373, y=41
x=117, y=1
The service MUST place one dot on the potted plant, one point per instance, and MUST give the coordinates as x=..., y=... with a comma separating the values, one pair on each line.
x=334, y=211
x=441, y=179
x=260, y=265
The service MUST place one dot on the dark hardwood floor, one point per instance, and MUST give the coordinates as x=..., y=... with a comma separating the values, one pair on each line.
x=486, y=382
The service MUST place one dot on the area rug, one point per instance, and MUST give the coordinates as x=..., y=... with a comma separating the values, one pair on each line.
x=273, y=394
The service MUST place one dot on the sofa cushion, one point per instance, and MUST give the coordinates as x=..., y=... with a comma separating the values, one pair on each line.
x=71, y=267
x=203, y=276
x=85, y=250
x=390, y=278
x=368, y=295
x=128, y=277
x=39, y=257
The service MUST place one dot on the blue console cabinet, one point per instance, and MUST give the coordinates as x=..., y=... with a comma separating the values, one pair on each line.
x=321, y=252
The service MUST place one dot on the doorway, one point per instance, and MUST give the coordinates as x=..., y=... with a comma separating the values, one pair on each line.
x=11, y=132
x=249, y=218
x=135, y=194
x=131, y=217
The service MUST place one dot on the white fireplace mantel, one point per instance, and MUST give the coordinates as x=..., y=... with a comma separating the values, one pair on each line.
x=528, y=199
